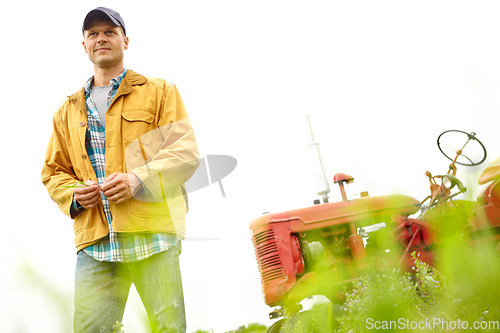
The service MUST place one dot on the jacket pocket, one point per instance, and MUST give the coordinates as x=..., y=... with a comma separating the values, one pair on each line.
x=81, y=222
x=136, y=123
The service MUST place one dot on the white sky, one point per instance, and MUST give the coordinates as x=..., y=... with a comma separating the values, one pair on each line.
x=380, y=79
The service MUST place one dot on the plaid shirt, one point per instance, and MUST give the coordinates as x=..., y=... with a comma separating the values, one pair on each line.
x=116, y=246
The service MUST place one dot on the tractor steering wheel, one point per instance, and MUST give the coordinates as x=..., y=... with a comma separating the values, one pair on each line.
x=461, y=147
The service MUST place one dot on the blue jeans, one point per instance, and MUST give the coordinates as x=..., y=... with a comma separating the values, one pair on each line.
x=101, y=291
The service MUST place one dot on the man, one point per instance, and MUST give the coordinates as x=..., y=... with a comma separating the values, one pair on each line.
x=120, y=152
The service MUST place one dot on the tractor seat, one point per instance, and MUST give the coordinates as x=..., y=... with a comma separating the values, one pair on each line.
x=342, y=177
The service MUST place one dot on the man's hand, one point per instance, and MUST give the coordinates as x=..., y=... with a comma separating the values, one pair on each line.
x=88, y=196
x=120, y=187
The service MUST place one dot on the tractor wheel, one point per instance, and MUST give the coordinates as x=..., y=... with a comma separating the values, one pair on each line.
x=311, y=321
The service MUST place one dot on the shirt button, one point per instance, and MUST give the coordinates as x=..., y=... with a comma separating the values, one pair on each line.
x=82, y=124
x=84, y=156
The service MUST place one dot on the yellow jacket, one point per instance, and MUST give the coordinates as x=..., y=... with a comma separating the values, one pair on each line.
x=147, y=133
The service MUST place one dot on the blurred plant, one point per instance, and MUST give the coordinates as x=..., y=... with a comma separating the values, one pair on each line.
x=389, y=296
x=56, y=297
x=250, y=328
x=464, y=291
x=118, y=327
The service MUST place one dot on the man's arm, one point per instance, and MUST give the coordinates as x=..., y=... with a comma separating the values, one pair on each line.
x=57, y=171
x=174, y=152
x=166, y=163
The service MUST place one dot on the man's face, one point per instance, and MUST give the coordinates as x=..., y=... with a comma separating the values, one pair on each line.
x=104, y=43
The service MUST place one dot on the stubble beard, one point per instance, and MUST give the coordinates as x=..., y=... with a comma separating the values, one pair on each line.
x=107, y=62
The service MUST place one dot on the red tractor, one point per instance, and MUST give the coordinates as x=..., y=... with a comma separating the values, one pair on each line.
x=295, y=248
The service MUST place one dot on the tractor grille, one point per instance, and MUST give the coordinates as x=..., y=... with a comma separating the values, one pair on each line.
x=268, y=258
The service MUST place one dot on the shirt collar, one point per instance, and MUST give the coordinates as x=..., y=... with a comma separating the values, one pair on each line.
x=115, y=82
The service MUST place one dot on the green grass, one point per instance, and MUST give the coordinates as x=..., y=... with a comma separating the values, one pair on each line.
x=250, y=328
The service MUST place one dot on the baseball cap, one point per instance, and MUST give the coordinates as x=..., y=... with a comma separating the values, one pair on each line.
x=112, y=15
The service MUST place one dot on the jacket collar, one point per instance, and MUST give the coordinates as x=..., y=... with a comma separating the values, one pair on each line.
x=131, y=79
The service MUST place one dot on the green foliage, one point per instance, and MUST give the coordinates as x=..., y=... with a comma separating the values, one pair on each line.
x=118, y=328
x=427, y=300
x=390, y=296
x=251, y=328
